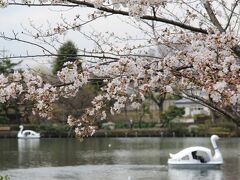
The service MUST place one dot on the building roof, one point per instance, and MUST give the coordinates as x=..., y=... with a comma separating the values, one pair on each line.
x=185, y=101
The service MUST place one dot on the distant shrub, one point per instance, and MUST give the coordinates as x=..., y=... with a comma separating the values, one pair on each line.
x=144, y=125
x=54, y=128
x=218, y=129
x=201, y=118
x=120, y=125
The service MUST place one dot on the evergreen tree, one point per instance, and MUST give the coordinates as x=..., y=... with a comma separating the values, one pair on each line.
x=6, y=66
x=170, y=114
x=67, y=52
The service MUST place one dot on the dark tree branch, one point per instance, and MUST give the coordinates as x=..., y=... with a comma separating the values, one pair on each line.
x=23, y=41
x=55, y=55
x=146, y=17
x=212, y=16
x=232, y=12
x=234, y=116
x=120, y=12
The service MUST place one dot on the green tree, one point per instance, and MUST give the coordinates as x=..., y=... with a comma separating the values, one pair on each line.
x=67, y=52
x=6, y=66
x=170, y=114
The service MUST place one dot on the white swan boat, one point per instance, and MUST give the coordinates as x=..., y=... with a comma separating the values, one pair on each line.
x=197, y=157
x=27, y=133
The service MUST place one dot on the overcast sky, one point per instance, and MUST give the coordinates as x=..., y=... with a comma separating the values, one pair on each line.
x=14, y=18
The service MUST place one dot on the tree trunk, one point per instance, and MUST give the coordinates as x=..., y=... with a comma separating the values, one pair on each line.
x=214, y=116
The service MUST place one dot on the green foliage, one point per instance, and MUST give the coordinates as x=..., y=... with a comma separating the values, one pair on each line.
x=67, y=52
x=201, y=118
x=170, y=114
x=54, y=128
x=4, y=177
x=144, y=125
x=120, y=125
x=218, y=129
x=6, y=66
x=229, y=125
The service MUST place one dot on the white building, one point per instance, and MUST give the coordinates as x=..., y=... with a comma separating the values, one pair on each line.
x=191, y=107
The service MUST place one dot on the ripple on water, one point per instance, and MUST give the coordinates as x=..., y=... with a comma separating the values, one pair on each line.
x=90, y=172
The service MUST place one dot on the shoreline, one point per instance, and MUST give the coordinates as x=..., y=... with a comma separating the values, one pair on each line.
x=148, y=132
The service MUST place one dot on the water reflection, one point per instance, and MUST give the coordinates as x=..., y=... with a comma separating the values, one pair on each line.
x=27, y=151
x=28, y=144
x=125, y=158
x=214, y=174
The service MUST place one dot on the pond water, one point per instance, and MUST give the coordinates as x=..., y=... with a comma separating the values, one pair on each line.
x=110, y=159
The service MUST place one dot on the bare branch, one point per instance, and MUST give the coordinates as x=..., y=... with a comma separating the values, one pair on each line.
x=212, y=16
x=231, y=15
x=2, y=35
x=213, y=106
x=124, y=13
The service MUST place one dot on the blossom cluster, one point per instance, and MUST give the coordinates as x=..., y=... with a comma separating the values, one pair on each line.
x=203, y=63
x=72, y=80
x=207, y=63
x=31, y=87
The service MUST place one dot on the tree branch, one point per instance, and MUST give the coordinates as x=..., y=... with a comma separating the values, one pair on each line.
x=212, y=16
x=214, y=107
x=230, y=17
x=120, y=12
x=23, y=41
x=55, y=55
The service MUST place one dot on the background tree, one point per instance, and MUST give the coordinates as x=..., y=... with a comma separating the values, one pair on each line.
x=7, y=66
x=171, y=114
x=67, y=52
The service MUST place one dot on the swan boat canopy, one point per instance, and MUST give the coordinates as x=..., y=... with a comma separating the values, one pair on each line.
x=197, y=157
x=27, y=133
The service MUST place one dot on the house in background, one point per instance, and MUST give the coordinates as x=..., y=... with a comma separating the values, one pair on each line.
x=191, y=107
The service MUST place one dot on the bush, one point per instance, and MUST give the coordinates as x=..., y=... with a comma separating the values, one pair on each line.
x=108, y=125
x=225, y=125
x=144, y=125
x=218, y=129
x=120, y=125
x=54, y=128
x=201, y=118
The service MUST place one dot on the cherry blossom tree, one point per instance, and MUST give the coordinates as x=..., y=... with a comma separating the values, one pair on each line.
x=202, y=60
